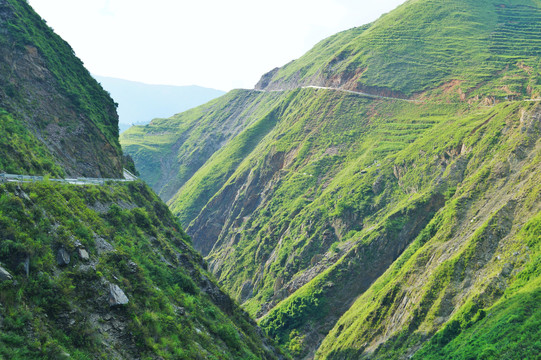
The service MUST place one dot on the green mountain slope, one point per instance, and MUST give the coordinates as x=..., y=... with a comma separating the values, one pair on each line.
x=357, y=226
x=487, y=49
x=169, y=151
x=131, y=240
x=92, y=271
x=46, y=88
x=21, y=152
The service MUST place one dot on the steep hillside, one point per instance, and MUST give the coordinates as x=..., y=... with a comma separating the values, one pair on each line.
x=481, y=249
x=92, y=271
x=476, y=49
x=139, y=103
x=169, y=151
x=452, y=209
x=47, y=90
x=381, y=225
x=106, y=272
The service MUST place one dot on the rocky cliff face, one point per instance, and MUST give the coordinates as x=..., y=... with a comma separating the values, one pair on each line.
x=43, y=85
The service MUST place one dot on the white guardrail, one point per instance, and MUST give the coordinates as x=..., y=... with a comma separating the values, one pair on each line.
x=75, y=181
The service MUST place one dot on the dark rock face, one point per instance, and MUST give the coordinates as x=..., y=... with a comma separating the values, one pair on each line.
x=26, y=265
x=5, y=275
x=52, y=104
x=246, y=291
x=103, y=246
x=117, y=297
x=62, y=257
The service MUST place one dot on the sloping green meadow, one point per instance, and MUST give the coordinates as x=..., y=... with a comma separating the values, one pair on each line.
x=491, y=48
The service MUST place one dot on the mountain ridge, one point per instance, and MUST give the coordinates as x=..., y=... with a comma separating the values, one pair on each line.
x=340, y=61
x=369, y=227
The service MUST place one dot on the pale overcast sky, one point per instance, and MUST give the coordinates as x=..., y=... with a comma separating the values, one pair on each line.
x=212, y=43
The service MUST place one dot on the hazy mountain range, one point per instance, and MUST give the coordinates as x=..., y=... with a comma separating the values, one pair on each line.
x=139, y=103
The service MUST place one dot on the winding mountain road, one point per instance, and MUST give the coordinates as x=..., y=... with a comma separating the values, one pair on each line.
x=128, y=176
x=360, y=93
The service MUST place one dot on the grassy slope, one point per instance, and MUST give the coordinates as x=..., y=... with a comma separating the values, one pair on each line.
x=208, y=180
x=309, y=214
x=173, y=311
x=21, y=152
x=424, y=44
x=511, y=328
x=168, y=152
x=465, y=258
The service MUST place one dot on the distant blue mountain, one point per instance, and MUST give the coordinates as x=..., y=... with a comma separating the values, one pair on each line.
x=139, y=103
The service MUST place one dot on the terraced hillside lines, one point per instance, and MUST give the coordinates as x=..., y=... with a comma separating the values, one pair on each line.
x=423, y=45
x=392, y=137
x=167, y=152
x=517, y=34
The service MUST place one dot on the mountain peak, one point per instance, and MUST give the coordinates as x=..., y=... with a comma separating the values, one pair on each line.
x=489, y=47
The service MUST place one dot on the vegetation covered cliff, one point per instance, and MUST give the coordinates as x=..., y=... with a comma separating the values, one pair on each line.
x=380, y=225
x=107, y=272
x=46, y=90
x=92, y=271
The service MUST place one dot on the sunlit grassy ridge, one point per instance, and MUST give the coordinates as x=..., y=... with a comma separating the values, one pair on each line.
x=490, y=47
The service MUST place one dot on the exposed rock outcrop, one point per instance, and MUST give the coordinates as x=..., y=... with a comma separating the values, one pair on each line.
x=62, y=105
x=117, y=297
x=63, y=258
